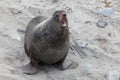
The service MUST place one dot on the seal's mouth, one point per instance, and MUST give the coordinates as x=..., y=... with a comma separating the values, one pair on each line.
x=63, y=21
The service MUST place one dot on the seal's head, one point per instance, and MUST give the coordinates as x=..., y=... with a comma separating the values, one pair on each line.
x=60, y=17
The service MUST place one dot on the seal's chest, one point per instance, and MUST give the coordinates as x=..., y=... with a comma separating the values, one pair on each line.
x=53, y=55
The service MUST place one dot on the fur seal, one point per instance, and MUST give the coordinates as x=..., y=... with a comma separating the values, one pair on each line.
x=47, y=40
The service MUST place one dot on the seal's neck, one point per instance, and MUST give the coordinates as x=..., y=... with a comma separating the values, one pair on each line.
x=58, y=35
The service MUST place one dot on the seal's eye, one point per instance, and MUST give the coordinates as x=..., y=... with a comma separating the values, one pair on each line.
x=56, y=16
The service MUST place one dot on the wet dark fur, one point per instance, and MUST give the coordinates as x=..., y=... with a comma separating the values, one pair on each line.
x=47, y=43
x=31, y=25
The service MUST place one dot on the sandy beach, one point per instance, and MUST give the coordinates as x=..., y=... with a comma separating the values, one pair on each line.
x=98, y=60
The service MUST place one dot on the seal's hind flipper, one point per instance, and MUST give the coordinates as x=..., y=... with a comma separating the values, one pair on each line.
x=29, y=69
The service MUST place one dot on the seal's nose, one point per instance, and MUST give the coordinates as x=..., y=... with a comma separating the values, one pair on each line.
x=64, y=15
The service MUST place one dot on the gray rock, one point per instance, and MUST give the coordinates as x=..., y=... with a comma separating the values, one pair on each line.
x=106, y=11
x=101, y=23
x=83, y=45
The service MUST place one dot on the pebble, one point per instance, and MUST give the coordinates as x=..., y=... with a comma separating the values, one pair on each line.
x=102, y=23
x=16, y=37
x=83, y=45
x=2, y=29
x=106, y=11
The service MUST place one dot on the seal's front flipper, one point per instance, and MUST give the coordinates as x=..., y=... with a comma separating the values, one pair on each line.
x=73, y=65
x=65, y=64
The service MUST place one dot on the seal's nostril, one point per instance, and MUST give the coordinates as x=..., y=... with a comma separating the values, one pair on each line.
x=64, y=14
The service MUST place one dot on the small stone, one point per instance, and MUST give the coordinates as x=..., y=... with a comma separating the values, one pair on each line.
x=2, y=29
x=54, y=1
x=16, y=37
x=106, y=11
x=101, y=23
x=83, y=45
x=109, y=34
